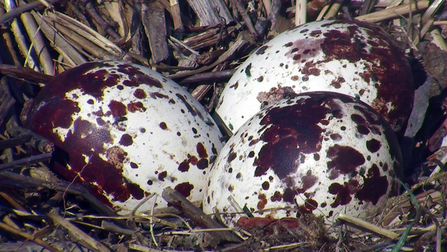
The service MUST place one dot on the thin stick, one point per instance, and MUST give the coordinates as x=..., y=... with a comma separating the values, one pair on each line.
x=247, y=20
x=203, y=220
x=27, y=236
x=242, y=39
x=19, y=10
x=77, y=233
x=26, y=161
x=26, y=73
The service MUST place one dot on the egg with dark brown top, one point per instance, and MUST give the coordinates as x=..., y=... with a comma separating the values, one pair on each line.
x=126, y=132
x=356, y=59
x=320, y=152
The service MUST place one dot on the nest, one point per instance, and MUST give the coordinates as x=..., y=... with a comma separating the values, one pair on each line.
x=191, y=42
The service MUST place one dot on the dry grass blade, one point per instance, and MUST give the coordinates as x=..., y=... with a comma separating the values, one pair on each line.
x=366, y=226
x=39, y=45
x=428, y=14
x=333, y=10
x=20, y=39
x=59, y=42
x=85, y=37
x=394, y=12
x=438, y=40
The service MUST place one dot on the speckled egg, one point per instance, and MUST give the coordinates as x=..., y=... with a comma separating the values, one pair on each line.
x=320, y=152
x=356, y=59
x=126, y=132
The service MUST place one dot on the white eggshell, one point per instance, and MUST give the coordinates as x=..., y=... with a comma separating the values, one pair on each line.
x=320, y=152
x=127, y=132
x=339, y=56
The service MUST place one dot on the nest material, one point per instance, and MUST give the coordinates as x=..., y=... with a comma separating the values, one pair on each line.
x=199, y=44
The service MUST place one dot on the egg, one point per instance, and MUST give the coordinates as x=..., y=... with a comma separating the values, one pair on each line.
x=356, y=59
x=320, y=152
x=126, y=132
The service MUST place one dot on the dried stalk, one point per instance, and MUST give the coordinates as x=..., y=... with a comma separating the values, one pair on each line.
x=323, y=12
x=22, y=9
x=87, y=33
x=438, y=39
x=43, y=55
x=394, y=12
x=333, y=10
x=59, y=42
x=430, y=12
x=364, y=225
x=21, y=40
x=300, y=12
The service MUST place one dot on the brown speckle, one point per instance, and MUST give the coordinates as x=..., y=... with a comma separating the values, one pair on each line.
x=162, y=175
x=201, y=150
x=262, y=49
x=231, y=157
x=265, y=185
x=374, y=186
x=344, y=158
x=163, y=126
x=126, y=140
x=136, y=106
x=118, y=109
x=262, y=201
x=140, y=93
x=184, y=189
x=183, y=166
x=373, y=145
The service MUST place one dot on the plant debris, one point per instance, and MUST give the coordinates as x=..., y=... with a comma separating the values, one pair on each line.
x=199, y=44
